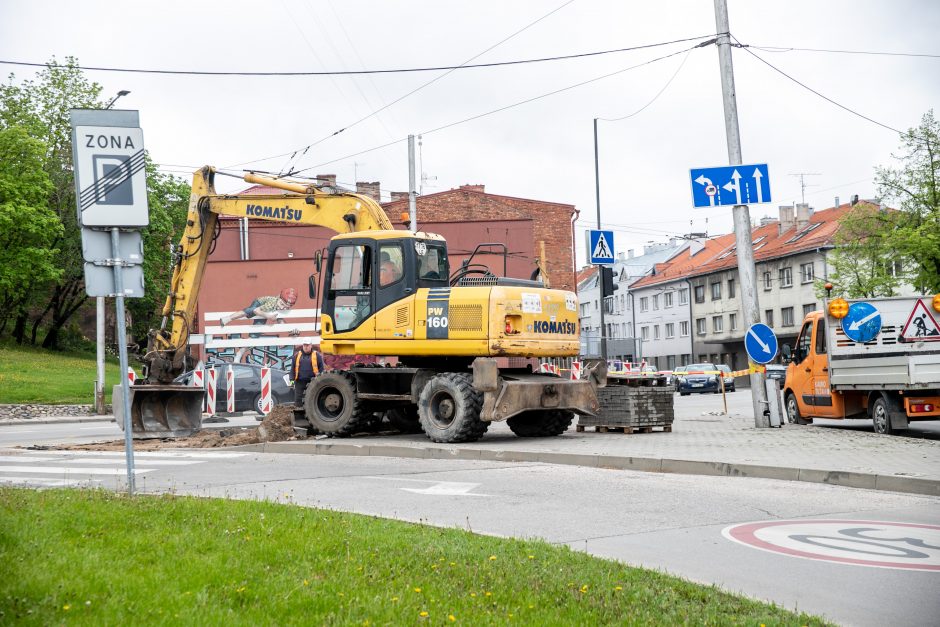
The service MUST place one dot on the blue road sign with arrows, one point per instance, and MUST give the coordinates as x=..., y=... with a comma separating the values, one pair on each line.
x=760, y=342
x=862, y=323
x=600, y=246
x=730, y=185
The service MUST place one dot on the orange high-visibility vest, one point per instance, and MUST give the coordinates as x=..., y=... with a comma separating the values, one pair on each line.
x=313, y=363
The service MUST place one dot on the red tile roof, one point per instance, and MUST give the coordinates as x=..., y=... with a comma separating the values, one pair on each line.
x=585, y=273
x=771, y=244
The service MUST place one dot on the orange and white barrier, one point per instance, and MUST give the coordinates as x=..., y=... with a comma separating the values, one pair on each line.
x=230, y=390
x=575, y=370
x=211, y=374
x=265, y=391
x=131, y=376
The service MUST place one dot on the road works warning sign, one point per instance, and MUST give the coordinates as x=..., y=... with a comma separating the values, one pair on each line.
x=921, y=326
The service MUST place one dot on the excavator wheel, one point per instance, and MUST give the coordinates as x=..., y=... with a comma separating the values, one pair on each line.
x=449, y=409
x=332, y=406
x=541, y=424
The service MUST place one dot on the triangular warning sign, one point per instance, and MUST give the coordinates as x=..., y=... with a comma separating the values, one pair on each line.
x=602, y=248
x=921, y=326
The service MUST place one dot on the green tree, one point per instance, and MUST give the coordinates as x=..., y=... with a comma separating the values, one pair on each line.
x=863, y=260
x=914, y=188
x=28, y=227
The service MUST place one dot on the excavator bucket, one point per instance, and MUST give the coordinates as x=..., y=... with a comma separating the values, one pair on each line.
x=161, y=411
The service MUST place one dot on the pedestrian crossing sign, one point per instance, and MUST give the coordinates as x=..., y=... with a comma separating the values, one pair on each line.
x=600, y=247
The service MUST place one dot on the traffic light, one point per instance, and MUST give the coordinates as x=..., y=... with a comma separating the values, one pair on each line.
x=608, y=287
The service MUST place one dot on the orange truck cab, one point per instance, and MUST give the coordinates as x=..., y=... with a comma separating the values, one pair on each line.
x=892, y=379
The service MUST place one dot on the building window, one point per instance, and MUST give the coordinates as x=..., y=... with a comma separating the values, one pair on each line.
x=645, y=333
x=894, y=268
x=644, y=303
x=684, y=328
x=700, y=293
x=806, y=273
x=769, y=318
x=718, y=323
x=716, y=291
x=786, y=277
x=700, y=326
x=595, y=305
x=670, y=330
x=808, y=309
x=629, y=329
x=786, y=317
x=667, y=300
x=671, y=362
x=685, y=359
x=733, y=321
x=656, y=301
x=730, y=288
x=655, y=331
x=684, y=296
x=623, y=303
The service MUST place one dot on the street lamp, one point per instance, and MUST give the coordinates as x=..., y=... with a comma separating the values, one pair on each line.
x=123, y=92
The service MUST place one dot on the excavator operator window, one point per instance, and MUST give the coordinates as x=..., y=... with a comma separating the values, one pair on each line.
x=350, y=280
x=432, y=264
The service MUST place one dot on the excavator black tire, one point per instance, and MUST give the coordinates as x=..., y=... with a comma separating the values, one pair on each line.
x=332, y=406
x=541, y=424
x=449, y=409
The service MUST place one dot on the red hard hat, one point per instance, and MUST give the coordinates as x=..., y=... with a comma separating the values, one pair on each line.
x=289, y=295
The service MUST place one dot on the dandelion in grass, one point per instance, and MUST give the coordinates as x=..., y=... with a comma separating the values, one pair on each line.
x=492, y=558
x=618, y=588
x=423, y=614
x=451, y=618
x=66, y=607
x=584, y=588
x=394, y=599
x=417, y=589
x=487, y=594
x=473, y=594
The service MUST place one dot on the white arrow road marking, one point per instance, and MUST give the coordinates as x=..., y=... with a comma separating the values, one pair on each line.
x=735, y=186
x=764, y=346
x=855, y=325
x=757, y=179
x=439, y=488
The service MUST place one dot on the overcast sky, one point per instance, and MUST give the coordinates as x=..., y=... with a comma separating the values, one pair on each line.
x=543, y=149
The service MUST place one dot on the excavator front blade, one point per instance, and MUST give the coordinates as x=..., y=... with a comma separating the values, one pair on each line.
x=161, y=411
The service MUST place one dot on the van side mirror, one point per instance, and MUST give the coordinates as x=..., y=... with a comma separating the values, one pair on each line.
x=787, y=353
x=312, y=286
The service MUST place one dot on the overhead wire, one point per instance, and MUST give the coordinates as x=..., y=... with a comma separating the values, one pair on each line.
x=777, y=49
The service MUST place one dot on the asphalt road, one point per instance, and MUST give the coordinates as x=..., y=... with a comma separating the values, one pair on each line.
x=669, y=522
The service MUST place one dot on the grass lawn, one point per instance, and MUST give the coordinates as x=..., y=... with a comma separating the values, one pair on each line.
x=94, y=557
x=36, y=375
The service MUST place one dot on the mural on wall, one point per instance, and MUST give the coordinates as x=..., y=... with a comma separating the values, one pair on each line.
x=264, y=308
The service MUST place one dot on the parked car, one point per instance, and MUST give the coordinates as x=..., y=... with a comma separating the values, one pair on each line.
x=701, y=377
x=729, y=380
x=678, y=372
x=776, y=371
x=247, y=387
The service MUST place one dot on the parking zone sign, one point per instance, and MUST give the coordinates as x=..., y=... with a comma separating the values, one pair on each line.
x=110, y=178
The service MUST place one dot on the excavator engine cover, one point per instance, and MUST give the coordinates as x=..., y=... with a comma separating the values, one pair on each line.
x=161, y=411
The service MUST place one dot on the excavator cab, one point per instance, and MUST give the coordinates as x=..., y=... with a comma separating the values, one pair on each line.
x=366, y=272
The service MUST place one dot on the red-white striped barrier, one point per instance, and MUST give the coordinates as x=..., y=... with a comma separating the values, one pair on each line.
x=266, y=390
x=131, y=376
x=211, y=375
x=229, y=390
x=199, y=381
x=575, y=370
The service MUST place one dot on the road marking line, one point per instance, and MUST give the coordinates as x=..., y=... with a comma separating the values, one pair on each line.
x=137, y=454
x=98, y=460
x=65, y=470
x=45, y=481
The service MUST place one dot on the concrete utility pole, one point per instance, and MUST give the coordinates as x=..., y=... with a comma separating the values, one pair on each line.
x=742, y=218
x=412, y=201
x=600, y=282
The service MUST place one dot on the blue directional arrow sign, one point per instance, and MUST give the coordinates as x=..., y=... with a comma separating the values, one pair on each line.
x=760, y=342
x=730, y=185
x=862, y=323
x=600, y=247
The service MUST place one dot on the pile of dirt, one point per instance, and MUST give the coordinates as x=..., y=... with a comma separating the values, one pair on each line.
x=276, y=427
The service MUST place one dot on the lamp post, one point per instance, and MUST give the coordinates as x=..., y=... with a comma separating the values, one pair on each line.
x=123, y=92
x=99, y=323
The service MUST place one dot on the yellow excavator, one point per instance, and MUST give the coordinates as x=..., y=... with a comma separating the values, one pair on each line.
x=447, y=329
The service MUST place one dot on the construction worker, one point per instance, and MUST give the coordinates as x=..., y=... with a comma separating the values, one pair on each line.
x=306, y=364
x=267, y=307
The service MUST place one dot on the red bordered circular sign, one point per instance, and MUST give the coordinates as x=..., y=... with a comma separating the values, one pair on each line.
x=879, y=544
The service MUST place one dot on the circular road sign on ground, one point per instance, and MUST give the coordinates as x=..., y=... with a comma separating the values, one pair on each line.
x=879, y=544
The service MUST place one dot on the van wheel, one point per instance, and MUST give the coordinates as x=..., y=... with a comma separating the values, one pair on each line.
x=793, y=412
x=880, y=417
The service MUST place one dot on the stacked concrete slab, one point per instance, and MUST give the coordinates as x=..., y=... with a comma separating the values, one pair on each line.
x=634, y=407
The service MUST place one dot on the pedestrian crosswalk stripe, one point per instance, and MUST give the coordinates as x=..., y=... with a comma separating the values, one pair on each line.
x=99, y=460
x=67, y=470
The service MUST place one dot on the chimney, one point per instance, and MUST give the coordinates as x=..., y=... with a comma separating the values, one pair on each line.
x=369, y=189
x=766, y=220
x=837, y=201
x=802, y=215
x=399, y=196
x=629, y=253
x=672, y=242
x=473, y=188
x=786, y=218
x=854, y=199
x=621, y=257
x=326, y=180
